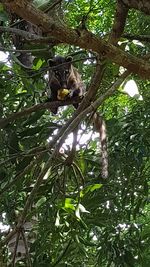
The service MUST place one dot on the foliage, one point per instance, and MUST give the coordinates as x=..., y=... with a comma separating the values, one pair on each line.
x=80, y=219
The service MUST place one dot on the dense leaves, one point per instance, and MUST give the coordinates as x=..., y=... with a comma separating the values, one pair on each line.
x=76, y=217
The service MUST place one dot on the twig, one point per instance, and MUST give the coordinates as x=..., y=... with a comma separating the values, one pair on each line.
x=24, y=50
x=26, y=248
x=20, y=175
x=15, y=250
x=32, y=152
x=28, y=36
x=76, y=180
x=25, y=34
x=80, y=172
x=63, y=254
x=33, y=192
x=144, y=38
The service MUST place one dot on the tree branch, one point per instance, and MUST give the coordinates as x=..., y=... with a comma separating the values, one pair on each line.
x=119, y=22
x=21, y=174
x=26, y=248
x=62, y=254
x=15, y=249
x=81, y=38
x=28, y=111
x=28, y=36
x=30, y=198
x=144, y=38
x=24, y=50
x=24, y=34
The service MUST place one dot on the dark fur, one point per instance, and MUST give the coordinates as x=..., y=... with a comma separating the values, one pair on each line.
x=62, y=75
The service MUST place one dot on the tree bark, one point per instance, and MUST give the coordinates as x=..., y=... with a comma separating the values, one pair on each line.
x=81, y=38
x=119, y=22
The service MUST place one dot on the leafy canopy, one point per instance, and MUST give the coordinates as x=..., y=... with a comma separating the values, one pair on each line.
x=77, y=218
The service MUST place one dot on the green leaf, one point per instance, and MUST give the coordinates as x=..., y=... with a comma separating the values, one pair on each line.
x=40, y=202
x=69, y=204
x=90, y=188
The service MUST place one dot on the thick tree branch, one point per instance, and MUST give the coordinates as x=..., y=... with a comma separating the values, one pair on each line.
x=81, y=38
x=119, y=22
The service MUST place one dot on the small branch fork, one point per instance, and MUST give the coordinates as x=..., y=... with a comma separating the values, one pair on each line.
x=25, y=241
x=21, y=232
x=15, y=249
